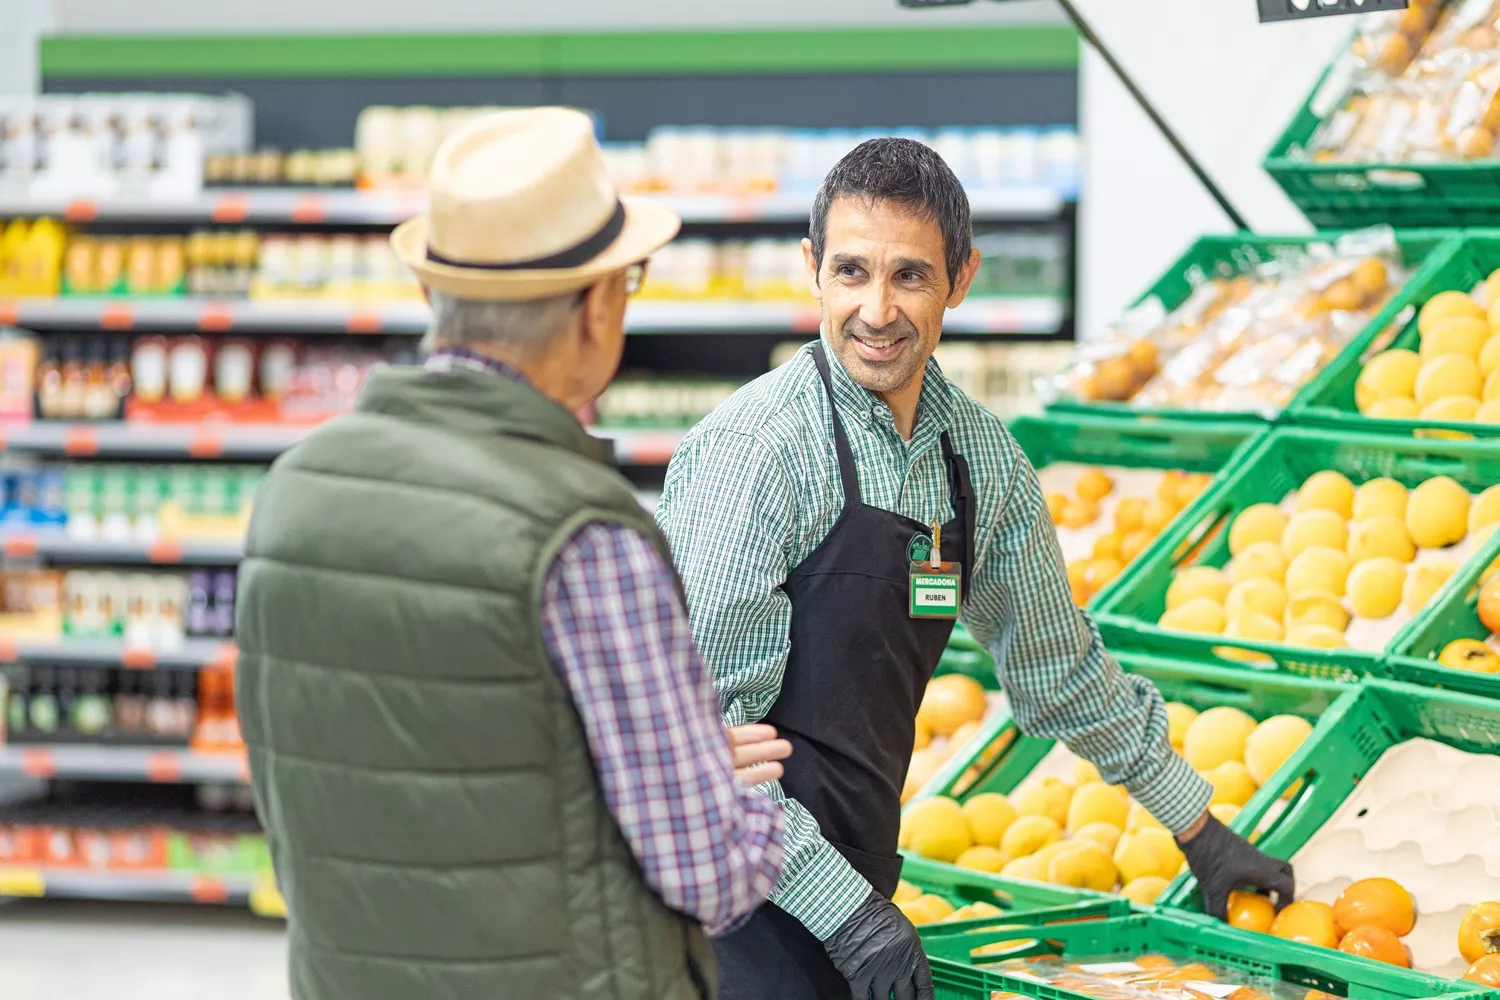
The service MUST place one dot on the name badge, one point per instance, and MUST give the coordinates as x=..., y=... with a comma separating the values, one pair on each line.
x=935, y=589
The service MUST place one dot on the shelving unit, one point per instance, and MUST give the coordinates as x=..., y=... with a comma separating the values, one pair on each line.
x=144, y=886
x=105, y=762
x=192, y=654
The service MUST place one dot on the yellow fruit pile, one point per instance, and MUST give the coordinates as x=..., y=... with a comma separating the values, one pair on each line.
x=1452, y=374
x=929, y=908
x=1232, y=751
x=952, y=710
x=1344, y=553
x=1137, y=521
x=1084, y=834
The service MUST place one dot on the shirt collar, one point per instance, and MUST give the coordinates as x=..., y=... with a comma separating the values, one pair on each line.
x=446, y=359
x=934, y=407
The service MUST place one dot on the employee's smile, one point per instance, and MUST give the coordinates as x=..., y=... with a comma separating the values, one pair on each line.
x=879, y=345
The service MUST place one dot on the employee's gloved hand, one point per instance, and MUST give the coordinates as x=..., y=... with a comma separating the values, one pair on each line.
x=879, y=953
x=1223, y=861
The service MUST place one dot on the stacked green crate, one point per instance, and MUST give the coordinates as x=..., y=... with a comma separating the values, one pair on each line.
x=1278, y=465
x=1328, y=400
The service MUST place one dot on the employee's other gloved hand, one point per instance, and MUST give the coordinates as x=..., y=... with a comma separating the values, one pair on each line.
x=879, y=953
x=1223, y=861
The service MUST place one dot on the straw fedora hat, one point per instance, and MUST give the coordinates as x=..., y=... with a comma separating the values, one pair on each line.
x=522, y=207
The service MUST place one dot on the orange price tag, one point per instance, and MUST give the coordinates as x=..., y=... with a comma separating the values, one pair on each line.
x=654, y=451
x=215, y=317
x=165, y=550
x=363, y=322
x=117, y=317
x=10, y=312
x=20, y=546
x=81, y=211
x=138, y=658
x=225, y=657
x=207, y=442
x=164, y=767
x=9, y=653
x=244, y=768
x=208, y=889
x=806, y=320
x=81, y=441
x=230, y=207
x=310, y=208
x=38, y=762
x=742, y=210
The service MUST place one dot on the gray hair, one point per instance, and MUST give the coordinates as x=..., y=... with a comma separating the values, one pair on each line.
x=524, y=327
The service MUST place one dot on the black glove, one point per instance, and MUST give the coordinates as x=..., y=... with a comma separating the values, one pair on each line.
x=1223, y=861
x=878, y=951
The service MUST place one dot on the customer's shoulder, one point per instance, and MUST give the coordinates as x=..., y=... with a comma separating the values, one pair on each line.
x=770, y=412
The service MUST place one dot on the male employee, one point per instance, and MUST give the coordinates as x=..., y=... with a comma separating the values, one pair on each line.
x=800, y=514
x=487, y=758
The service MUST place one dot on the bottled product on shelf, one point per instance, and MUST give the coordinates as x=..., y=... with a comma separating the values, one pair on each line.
x=659, y=402
x=329, y=168
x=118, y=501
x=31, y=257
x=30, y=602
x=1246, y=338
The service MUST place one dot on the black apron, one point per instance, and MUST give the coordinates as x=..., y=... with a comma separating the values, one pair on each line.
x=855, y=675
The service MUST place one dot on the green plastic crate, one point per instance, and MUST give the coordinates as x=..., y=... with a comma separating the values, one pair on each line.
x=1225, y=255
x=1277, y=465
x=1452, y=614
x=963, y=655
x=1190, y=936
x=1335, y=195
x=1132, y=443
x=1329, y=399
x=1017, y=897
x=1005, y=756
x=1346, y=744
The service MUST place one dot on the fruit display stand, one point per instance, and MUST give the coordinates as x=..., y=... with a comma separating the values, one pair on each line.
x=1225, y=256
x=1329, y=400
x=1397, y=782
x=1001, y=759
x=1251, y=967
x=1271, y=472
x=1452, y=615
x=1133, y=455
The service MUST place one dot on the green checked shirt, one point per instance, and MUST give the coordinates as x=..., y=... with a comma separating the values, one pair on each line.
x=755, y=487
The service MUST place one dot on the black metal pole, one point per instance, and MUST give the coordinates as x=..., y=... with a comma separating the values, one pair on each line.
x=1150, y=109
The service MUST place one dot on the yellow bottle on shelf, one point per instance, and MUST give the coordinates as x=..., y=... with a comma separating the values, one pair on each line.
x=44, y=253
x=13, y=256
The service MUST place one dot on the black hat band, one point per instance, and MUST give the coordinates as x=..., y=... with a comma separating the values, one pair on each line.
x=575, y=256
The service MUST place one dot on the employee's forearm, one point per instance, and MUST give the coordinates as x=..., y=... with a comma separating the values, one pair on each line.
x=818, y=886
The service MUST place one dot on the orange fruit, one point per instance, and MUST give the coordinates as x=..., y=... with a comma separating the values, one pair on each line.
x=1479, y=931
x=1307, y=921
x=1159, y=514
x=1251, y=911
x=1372, y=941
x=1107, y=546
x=950, y=701
x=1078, y=513
x=1155, y=962
x=1379, y=901
x=1167, y=488
x=1130, y=515
x=1486, y=971
x=1056, y=504
x=1134, y=544
x=1190, y=973
x=1100, y=572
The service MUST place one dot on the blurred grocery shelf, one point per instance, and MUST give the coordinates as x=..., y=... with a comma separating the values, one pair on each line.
x=312, y=206
x=103, y=762
x=190, y=654
x=142, y=886
x=243, y=442
x=56, y=545
x=1019, y=315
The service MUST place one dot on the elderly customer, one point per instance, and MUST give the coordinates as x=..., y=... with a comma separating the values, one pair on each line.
x=485, y=753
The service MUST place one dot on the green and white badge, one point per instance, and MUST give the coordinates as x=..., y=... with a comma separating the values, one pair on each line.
x=935, y=585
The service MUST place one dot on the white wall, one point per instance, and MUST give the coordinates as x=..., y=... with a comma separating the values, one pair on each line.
x=273, y=16
x=22, y=22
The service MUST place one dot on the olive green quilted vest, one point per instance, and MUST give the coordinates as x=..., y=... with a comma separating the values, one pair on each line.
x=437, y=827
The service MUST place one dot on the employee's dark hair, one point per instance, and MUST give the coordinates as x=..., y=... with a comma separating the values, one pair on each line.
x=904, y=171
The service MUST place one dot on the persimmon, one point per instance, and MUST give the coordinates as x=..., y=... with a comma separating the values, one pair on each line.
x=1382, y=902
x=1374, y=941
x=1307, y=921
x=1479, y=932
x=1251, y=911
x=1486, y=971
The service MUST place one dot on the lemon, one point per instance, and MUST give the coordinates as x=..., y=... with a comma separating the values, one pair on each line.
x=1198, y=615
x=1455, y=335
x=1424, y=581
x=1028, y=868
x=1316, y=637
x=1437, y=513
x=1083, y=865
x=1147, y=852
x=1262, y=560
x=989, y=815
x=1382, y=497
x=1195, y=582
x=1272, y=743
x=1314, y=527
x=928, y=909
x=1318, y=568
x=1327, y=490
x=1381, y=537
x=1045, y=797
x=1179, y=717
x=1486, y=509
x=1097, y=802
x=1140, y=818
x=1084, y=772
x=982, y=859
x=1448, y=375
x=1390, y=375
x=1446, y=304
x=1262, y=522
x=1375, y=587
x=1224, y=812
x=905, y=892
x=1250, y=625
x=1106, y=835
x=1029, y=834
x=1489, y=356
x=1232, y=783
x=1261, y=596
x=1144, y=890
x=1316, y=608
x=1216, y=736
x=937, y=829
x=1395, y=408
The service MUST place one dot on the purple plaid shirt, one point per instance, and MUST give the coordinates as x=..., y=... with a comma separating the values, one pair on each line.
x=618, y=635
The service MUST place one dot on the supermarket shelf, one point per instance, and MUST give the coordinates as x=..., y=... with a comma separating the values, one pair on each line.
x=55, y=545
x=1021, y=315
x=244, y=442
x=124, y=763
x=193, y=654
x=149, y=887
x=310, y=206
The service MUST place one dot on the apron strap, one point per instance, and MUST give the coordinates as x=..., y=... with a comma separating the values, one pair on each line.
x=961, y=496
x=847, y=471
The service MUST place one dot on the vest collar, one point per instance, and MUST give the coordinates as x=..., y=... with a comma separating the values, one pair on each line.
x=476, y=402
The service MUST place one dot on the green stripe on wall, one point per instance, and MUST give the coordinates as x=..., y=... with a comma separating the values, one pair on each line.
x=623, y=53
